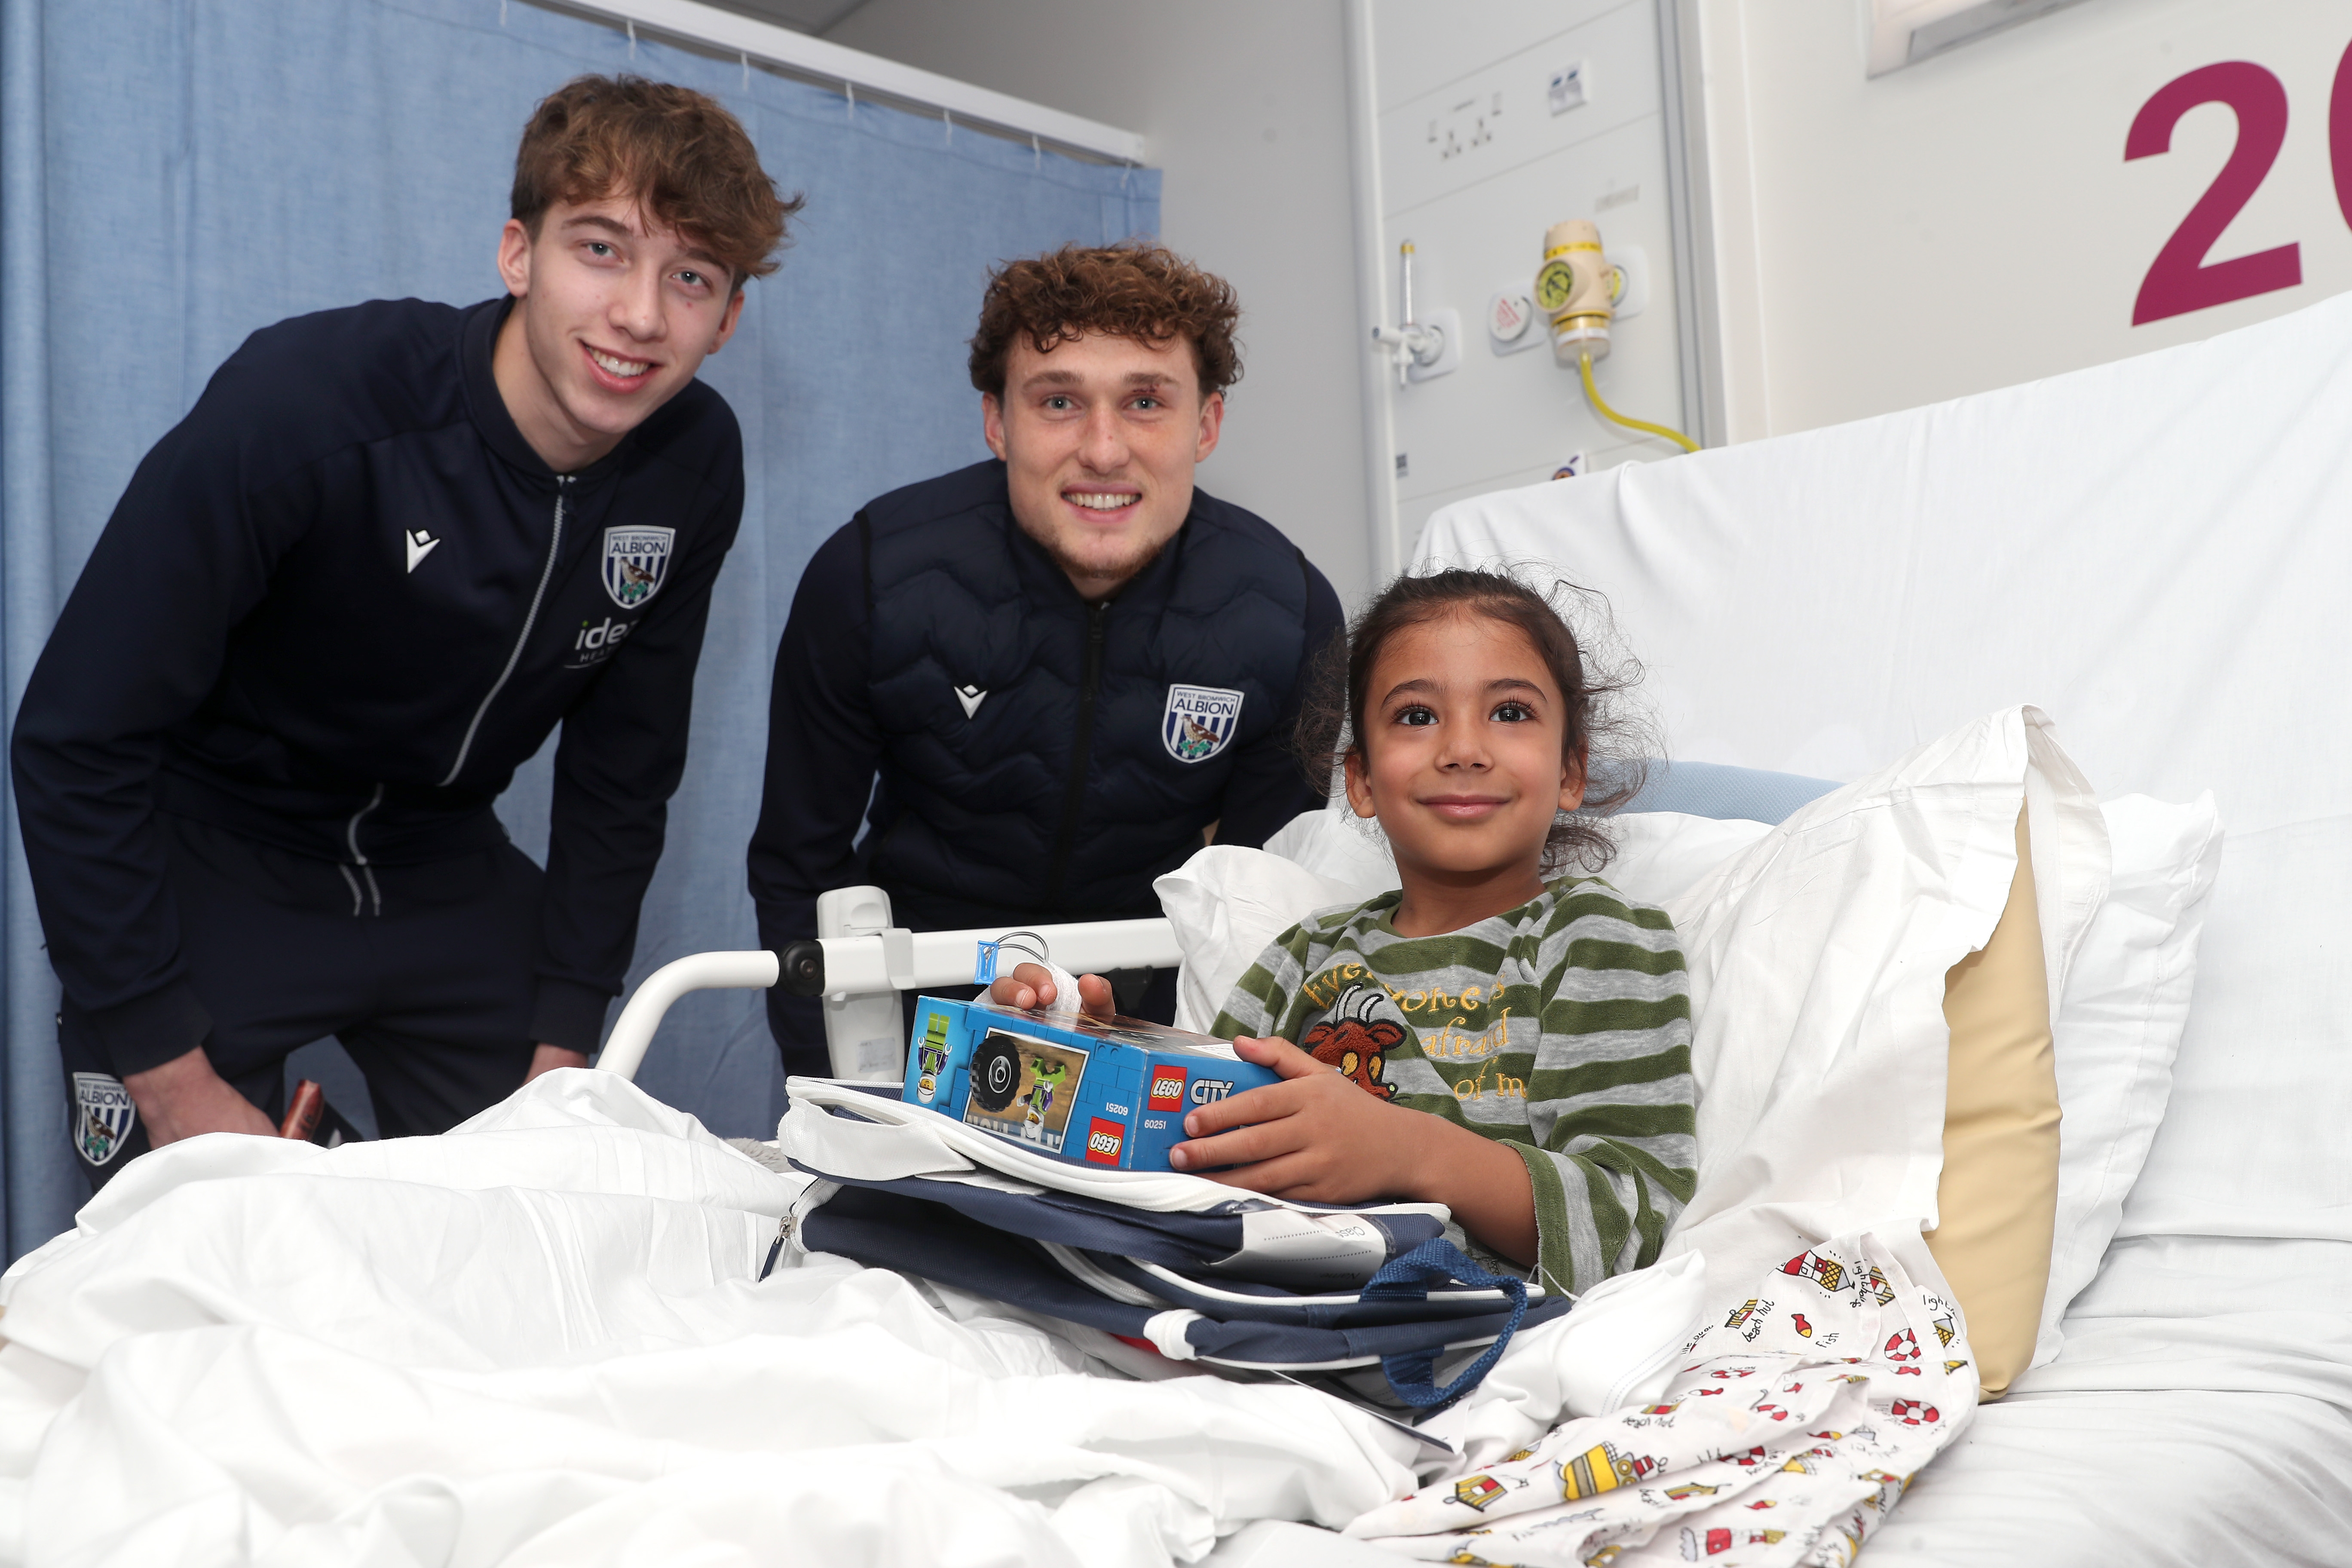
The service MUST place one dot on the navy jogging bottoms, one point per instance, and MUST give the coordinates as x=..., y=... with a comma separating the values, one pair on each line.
x=425, y=973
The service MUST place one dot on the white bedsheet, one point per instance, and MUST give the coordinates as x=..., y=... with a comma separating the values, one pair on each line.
x=543, y=1337
x=467, y=1349
x=2198, y=1419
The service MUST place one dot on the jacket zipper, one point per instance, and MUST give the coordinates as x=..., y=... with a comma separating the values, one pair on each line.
x=359, y=856
x=554, y=543
x=1075, y=794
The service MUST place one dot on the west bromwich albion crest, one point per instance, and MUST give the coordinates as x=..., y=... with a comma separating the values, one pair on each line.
x=636, y=560
x=102, y=1116
x=1198, y=721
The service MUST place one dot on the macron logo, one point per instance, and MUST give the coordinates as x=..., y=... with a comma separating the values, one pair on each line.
x=421, y=544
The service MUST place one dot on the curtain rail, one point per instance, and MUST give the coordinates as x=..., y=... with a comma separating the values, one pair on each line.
x=726, y=34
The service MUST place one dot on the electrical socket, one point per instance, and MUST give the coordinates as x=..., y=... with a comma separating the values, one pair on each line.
x=1568, y=88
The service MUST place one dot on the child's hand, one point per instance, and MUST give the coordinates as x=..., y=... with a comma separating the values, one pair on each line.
x=1032, y=985
x=1316, y=1136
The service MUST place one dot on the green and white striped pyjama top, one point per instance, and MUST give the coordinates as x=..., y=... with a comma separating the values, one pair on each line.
x=1561, y=1028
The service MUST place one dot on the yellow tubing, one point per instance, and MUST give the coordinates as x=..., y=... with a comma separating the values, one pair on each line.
x=1584, y=362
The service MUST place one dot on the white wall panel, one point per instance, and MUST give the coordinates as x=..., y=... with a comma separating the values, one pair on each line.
x=1427, y=43
x=1505, y=415
x=1476, y=216
x=1971, y=221
x=1506, y=102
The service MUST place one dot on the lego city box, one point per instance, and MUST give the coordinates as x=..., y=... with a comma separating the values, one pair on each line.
x=1092, y=1091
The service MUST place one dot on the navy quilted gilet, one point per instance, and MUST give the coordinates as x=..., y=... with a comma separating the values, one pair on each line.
x=1043, y=755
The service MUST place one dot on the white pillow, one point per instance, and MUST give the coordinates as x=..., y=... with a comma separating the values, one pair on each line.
x=1662, y=855
x=2118, y=1027
x=1226, y=903
x=1817, y=960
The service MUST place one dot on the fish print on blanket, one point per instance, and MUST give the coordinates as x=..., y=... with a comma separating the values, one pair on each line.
x=1803, y=1411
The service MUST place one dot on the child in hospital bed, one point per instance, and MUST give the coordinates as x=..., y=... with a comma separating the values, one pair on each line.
x=1513, y=1047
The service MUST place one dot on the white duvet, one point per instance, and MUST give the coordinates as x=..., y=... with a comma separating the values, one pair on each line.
x=544, y=1338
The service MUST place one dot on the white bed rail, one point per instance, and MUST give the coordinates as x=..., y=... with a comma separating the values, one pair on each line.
x=859, y=966
x=625, y=1048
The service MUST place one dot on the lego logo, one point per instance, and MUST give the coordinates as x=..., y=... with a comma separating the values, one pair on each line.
x=1166, y=1088
x=1103, y=1139
x=1208, y=1088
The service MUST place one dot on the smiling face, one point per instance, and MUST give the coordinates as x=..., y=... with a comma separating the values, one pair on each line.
x=1100, y=436
x=612, y=318
x=1461, y=761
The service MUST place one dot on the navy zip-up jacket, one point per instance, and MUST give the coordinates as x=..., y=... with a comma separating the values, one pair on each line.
x=336, y=608
x=1040, y=758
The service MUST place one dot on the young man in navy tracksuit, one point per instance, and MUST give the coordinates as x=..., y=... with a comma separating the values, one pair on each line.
x=390, y=549
x=1063, y=665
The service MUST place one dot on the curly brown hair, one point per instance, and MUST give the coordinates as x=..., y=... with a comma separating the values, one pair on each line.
x=1605, y=738
x=679, y=152
x=1143, y=292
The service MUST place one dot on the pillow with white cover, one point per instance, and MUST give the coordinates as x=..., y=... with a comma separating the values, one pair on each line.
x=2118, y=1027
x=2118, y=1024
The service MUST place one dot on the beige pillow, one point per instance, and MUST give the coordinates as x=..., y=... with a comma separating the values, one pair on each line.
x=1999, y=1194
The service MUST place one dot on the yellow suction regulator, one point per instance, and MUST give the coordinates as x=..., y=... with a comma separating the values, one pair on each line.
x=1577, y=290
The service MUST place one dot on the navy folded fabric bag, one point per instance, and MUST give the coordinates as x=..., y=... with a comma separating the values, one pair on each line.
x=1371, y=1327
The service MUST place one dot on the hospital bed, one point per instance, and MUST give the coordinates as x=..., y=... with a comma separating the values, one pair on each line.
x=2154, y=553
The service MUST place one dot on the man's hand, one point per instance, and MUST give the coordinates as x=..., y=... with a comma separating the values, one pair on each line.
x=1032, y=985
x=184, y=1097
x=1317, y=1137
x=547, y=1059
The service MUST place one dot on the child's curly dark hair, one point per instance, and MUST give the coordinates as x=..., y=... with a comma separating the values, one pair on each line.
x=1606, y=739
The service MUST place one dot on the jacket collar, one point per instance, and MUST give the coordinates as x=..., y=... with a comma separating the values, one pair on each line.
x=477, y=341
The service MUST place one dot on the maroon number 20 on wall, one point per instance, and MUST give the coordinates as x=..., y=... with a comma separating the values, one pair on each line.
x=2180, y=279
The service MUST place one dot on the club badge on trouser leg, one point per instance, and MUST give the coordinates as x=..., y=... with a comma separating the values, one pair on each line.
x=102, y=1117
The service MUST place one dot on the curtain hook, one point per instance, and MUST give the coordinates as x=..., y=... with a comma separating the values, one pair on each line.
x=747, y=72
x=851, y=88
x=949, y=120
x=503, y=13
x=1036, y=154
x=633, y=37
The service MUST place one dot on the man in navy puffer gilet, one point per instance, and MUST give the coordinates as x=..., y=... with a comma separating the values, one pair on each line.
x=1041, y=754
x=1038, y=680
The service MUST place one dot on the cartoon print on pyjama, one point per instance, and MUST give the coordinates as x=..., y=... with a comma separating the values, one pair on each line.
x=1357, y=1042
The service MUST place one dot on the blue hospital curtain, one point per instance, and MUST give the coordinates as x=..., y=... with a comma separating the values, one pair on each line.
x=175, y=174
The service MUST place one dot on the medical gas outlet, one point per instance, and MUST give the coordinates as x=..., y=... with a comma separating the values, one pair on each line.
x=1515, y=323
x=1576, y=290
x=1579, y=294
x=1419, y=349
